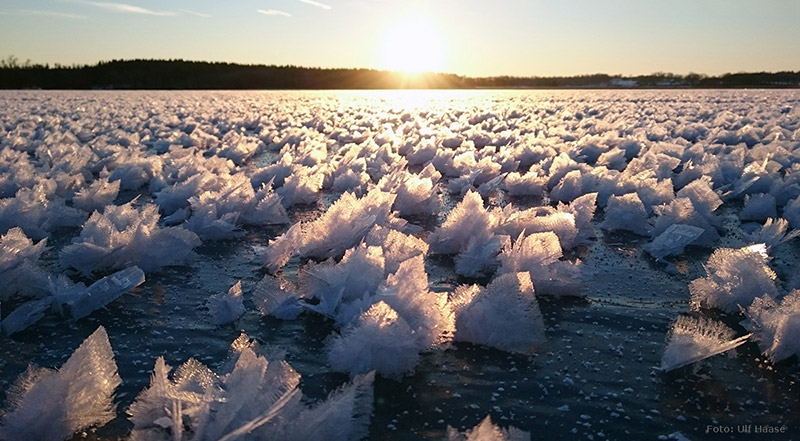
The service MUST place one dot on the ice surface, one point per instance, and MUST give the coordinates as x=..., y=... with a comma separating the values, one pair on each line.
x=735, y=277
x=776, y=327
x=227, y=307
x=504, y=315
x=225, y=164
x=487, y=431
x=695, y=338
x=47, y=404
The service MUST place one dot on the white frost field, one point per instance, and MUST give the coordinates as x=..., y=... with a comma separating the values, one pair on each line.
x=446, y=255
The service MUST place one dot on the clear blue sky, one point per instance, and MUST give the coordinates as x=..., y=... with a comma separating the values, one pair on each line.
x=476, y=38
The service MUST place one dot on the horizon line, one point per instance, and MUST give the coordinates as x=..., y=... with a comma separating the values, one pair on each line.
x=4, y=63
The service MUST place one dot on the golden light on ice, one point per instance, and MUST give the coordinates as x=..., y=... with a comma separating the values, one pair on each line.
x=413, y=45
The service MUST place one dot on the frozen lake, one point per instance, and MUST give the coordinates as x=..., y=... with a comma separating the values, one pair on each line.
x=606, y=317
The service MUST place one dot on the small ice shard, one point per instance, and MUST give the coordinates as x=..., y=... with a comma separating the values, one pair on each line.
x=504, y=315
x=227, y=307
x=695, y=338
x=776, y=327
x=735, y=277
x=25, y=315
x=278, y=298
x=673, y=240
x=47, y=404
x=487, y=431
x=80, y=301
x=380, y=340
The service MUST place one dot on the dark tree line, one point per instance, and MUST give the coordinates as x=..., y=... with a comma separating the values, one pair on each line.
x=180, y=74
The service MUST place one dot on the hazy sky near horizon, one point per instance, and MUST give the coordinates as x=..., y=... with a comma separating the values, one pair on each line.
x=467, y=37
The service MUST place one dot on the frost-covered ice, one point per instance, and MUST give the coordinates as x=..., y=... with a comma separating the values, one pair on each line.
x=393, y=223
x=695, y=338
x=47, y=404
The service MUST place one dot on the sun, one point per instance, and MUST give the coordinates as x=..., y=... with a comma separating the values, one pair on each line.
x=413, y=45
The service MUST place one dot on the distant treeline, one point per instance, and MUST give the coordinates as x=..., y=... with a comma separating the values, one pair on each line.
x=180, y=74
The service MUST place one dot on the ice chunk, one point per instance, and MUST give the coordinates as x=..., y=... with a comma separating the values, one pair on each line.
x=582, y=209
x=528, y=184
x=227, y=307
x=626, y=212
x=539, y=220
x=45, y=404
x=695, y=338
x=25, y=315
x=397, y=246
x=252, y=398
x=19, y=265
x=776, y=327
x=682, y=211
x=359, y=273
x=700, y=192
x=735, y=277
x=278, y=298
x=531, y=253
x=125, y=235
x=80, y=301
x=487, y=431
x=504, y=315
x=344, y=225
x=673, y=240
x=479, y=259
x=428, y=313
x=380, y=340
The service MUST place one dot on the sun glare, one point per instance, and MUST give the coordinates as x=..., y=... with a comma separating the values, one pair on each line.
x=413, y=45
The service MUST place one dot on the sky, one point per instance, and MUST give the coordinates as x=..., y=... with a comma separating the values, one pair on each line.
x=465, y=37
